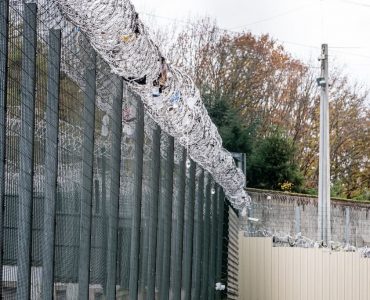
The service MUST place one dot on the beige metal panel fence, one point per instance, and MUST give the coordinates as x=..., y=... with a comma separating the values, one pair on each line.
x=282, y=273
x=232, y=257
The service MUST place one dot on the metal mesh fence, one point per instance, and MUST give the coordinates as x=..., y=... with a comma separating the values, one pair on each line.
x=96, y=201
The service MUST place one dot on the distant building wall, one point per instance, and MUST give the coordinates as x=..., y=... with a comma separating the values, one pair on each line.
x=289, y=213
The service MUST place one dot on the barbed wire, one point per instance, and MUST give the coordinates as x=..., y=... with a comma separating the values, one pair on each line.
x=169, y=95
x=300, y=241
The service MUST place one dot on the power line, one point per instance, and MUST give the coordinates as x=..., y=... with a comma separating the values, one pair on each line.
x=334, y=49
x=301, y=45
x=230, y=29
x=167, y=18
x=175, y=20
x=356, y=3
x=352, y=54
x=272, y=17
x=347, y=47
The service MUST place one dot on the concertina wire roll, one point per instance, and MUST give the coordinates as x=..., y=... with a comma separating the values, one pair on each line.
x=169, y=95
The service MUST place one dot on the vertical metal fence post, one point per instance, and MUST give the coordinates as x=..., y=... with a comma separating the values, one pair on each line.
x=297, y=220
x=97, y=196
x=167, y=219
x=51, y=162
x=188, y=234
x=26, y=145
x=144, y=248
x=137, y=199
x=207, y=206
x=213, y=245
x=198, y=237
x=347, y=226
x=153, y=221
x=4, y=22
x=114, y=192
x=220, y=226
x=250, y=225
x=177, y=231
x=104, y=215
x=87, y=180
x=159, y=250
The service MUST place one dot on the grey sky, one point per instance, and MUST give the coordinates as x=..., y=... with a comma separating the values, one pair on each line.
x=301, y=25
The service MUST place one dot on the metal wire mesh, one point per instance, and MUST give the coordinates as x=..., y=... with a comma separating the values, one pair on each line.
x=198, y=236
x=96, y=201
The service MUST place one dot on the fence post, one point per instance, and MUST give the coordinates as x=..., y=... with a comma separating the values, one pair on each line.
x=87, y=180
x=159, y=250
x=177, y=230
x=137, y=199
x=188, y=234
x=220, y=226
x=198, y=238
x=144, y=239
x=51, y=161
x=347, y=228
x=297, y=219
x=167, y=220
x=213, y=244
x=113, y=207
x=105, y=215
x=97, y=196
x=250, y=226
x=26, y=144
x=4, y=22
x=206, y=221
x=153, y=222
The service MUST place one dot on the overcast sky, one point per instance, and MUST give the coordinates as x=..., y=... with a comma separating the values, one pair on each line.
x=301, y=25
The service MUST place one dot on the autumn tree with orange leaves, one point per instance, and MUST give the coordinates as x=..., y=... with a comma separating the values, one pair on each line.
x=270, y=90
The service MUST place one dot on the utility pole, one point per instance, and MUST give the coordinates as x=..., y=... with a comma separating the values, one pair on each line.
x=324, y=226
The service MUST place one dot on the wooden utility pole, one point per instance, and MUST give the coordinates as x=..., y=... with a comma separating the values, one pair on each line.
x=324, y=226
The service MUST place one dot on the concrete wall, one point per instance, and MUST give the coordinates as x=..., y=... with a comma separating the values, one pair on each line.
x=291, y=213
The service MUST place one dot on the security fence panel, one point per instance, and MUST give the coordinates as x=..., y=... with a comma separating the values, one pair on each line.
x=4, y=22
x=126, y=190
x=87, y=178
x=113, y=204
x=206, y=238
x=51, y=162
x=137, y=198
x=213, y=243
x=220, y=239
x=198, y=236
x=153, y=212
x=188, y=229
x=72, y=151
x=178, y=223
x=165, y=171
x=167, y=194
x=97, y=200
x=26, y=151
